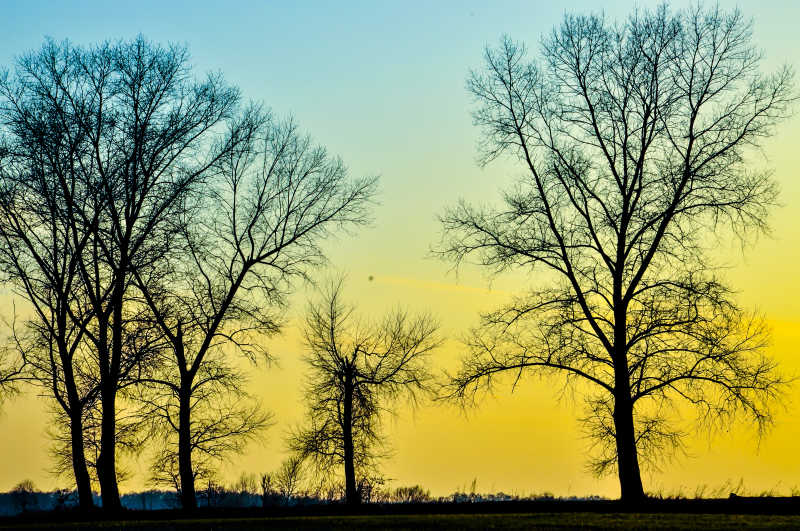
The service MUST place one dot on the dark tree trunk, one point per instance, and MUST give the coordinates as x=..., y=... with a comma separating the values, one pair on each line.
x=630, y=478
x=352, y=496
x=110, y=369
x=106, y=461
x=82, y=481
x=75, y=413
x=188, y=495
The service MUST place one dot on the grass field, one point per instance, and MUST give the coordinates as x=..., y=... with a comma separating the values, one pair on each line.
x=450, y=521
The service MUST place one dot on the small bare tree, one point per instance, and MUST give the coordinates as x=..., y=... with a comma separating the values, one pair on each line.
x=289, y=477
x=357, y=372
x=24, y=495
x=634, y=138
x=413, y=494
x=267, y=484
x=246, y=484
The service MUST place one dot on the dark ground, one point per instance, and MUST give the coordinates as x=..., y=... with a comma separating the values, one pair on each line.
x=736, y=513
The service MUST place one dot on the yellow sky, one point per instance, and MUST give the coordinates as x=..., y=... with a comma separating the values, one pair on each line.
x=525, y=442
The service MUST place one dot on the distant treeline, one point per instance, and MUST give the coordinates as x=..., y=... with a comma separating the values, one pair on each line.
x=215, y=496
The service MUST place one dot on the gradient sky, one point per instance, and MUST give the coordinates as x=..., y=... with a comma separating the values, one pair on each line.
x=382, y=85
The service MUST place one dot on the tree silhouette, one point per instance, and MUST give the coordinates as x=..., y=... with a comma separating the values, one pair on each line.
x=41, y=244
x=288, y=477
x=117, y=135
x=24, y=495
x=634, y=138
x=244, y=240
x=358, y=371
x=412, y=494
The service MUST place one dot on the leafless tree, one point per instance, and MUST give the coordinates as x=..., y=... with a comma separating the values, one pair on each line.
x=358, y=371
x=244, y=240
x=124, y=133
x=41, y=248
x=267, y=488
x=634, y=139
x=413, y=494
x=24, y=495
x=246, y=484
x=289, y=477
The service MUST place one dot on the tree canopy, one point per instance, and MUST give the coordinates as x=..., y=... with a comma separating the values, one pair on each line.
x=634, y=138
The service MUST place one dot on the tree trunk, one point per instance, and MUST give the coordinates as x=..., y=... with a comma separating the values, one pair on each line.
x=82, y=481
x=110, y=369
x=75, y=414
x=630, y=478
x=106, y=461
x=188, y=495
x=352, y=496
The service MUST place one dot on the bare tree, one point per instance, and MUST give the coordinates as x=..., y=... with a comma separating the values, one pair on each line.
x=634, y=138
x=128, y=134
x=269, y=488
x=358, y=371
x=246, y=484
x=244, y=240
x=24, y=495
x=41, y=247
x=413, y=494
x=289, y=477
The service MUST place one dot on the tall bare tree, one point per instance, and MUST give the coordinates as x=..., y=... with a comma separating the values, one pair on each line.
x=358, y=371
x=634, y=140
x=244, y=240
x=140, y=134
x=41, y=248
